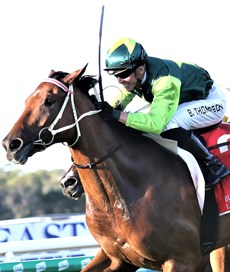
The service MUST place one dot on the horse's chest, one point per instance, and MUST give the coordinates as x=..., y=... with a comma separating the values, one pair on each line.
x=107, y=220
x=102, y=224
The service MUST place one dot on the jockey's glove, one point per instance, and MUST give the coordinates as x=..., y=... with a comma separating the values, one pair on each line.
x=107, y=111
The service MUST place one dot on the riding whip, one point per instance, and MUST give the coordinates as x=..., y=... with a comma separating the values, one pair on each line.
x=99, y=55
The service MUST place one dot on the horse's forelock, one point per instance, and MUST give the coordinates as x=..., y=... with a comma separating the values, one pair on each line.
x=59, y=75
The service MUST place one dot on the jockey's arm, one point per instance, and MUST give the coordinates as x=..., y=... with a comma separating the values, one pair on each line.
x=166, y=91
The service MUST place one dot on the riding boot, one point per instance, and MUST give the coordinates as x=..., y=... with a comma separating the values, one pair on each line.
x=211, y=167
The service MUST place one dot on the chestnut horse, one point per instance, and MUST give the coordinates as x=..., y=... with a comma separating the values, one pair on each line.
x=141, y=205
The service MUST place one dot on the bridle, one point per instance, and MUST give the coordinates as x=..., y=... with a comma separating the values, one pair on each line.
x=53, y=132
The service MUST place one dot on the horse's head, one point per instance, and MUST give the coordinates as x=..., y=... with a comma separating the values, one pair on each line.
x=49, y=112
x=71, y=183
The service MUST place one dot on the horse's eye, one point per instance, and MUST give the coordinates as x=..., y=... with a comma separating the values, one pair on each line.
x=49, y=102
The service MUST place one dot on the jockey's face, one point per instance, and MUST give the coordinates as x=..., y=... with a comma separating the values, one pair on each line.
x=132, y=80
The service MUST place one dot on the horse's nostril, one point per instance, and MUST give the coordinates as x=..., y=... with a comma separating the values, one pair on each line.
x=70, y=182
x=15, y=144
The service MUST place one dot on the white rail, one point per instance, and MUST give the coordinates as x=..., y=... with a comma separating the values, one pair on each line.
x=52, y=244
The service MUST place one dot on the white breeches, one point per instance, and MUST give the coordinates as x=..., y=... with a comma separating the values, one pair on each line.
x=200, y=113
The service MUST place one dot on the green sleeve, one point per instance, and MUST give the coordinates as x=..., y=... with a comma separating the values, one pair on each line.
x=166, y=91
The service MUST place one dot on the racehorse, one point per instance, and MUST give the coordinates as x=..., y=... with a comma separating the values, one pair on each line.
x=141, y=205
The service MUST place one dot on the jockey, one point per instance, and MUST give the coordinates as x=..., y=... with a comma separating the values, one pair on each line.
x=182, y=96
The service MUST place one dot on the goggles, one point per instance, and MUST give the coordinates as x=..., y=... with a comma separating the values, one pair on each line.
x=123, y=74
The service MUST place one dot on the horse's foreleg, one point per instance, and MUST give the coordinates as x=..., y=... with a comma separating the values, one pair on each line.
x=217, y=259
x=178, y=265
x=102, y=263
x=99, y=263
x=215, y=262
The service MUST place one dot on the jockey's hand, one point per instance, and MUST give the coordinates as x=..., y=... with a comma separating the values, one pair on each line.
x=107, y=111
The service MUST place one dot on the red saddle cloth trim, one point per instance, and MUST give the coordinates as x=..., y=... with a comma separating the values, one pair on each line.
x=219, y=135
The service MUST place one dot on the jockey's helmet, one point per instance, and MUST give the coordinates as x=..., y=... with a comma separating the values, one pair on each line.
x=125, y=54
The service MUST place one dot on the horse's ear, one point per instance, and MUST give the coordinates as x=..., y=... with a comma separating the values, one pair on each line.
x=76, y=74
x=51, y=73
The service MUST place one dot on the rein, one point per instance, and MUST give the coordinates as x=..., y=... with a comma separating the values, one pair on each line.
x=94, y=164
x=69, y=94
